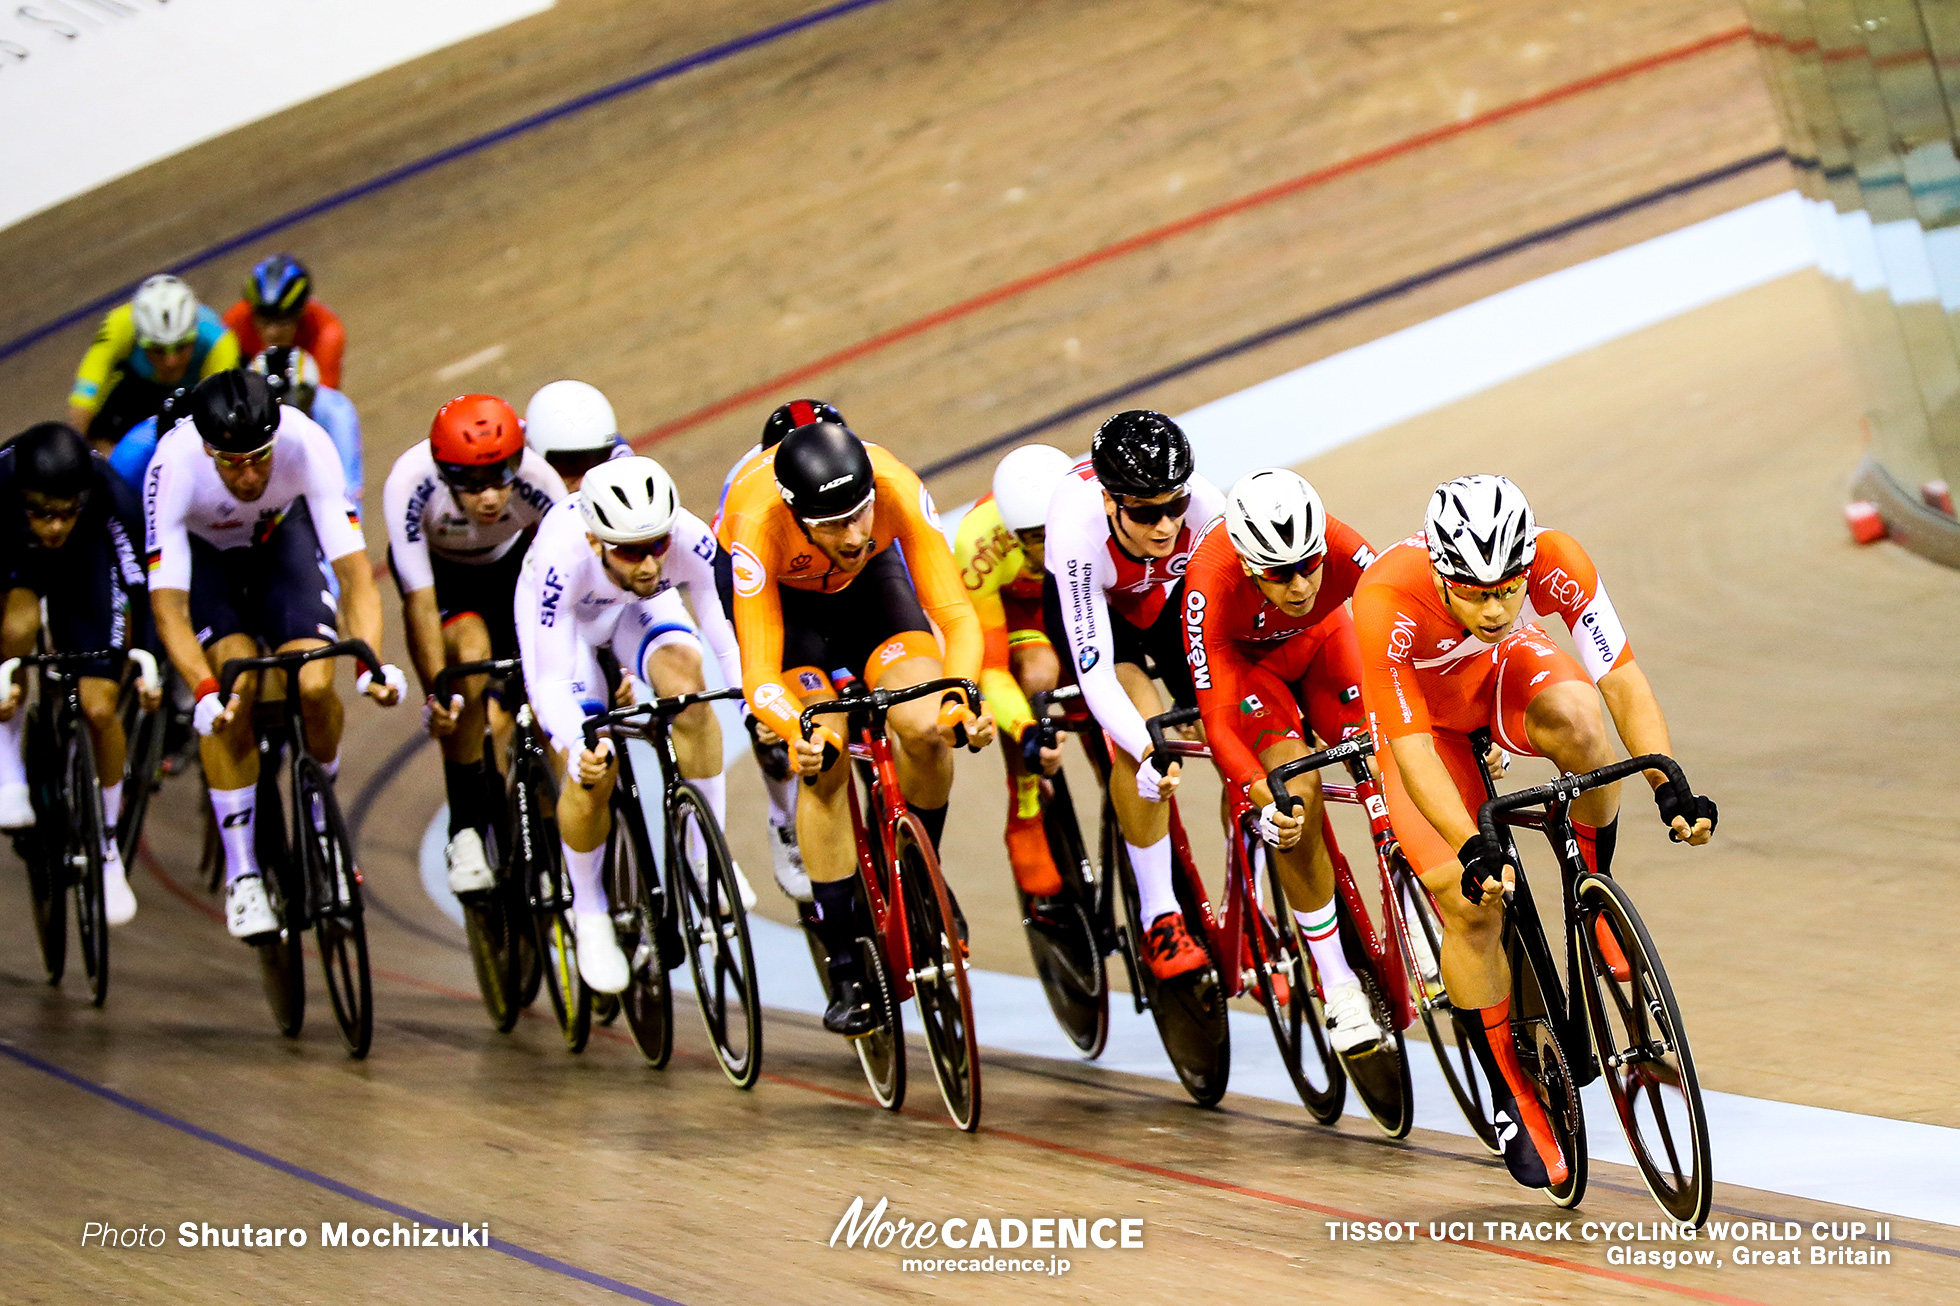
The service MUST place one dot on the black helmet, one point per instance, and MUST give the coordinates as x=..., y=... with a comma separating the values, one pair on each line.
x=823, y=471
x=795, y=413
x=278, y=286
x=53, y=459
x=1140, y=454
x=235, y=411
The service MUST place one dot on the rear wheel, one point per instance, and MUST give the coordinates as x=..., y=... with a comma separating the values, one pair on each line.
x=939, y=978
x=1455, y=1056
x=1545, y=1062
x=488, y=920
x=83, y=854
x=40, y=847
x=648, y=1001
x=339, y=925
x=1061, y=938
x=1190, y=1008
x=1287, y=985
x=1644, y=1055
x=881, y=1053
x=143, y=772
x=715, y=930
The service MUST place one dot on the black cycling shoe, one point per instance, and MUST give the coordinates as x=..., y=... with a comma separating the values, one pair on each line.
x=851, y=1011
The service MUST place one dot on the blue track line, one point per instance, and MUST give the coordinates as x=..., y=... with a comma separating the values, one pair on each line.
x=318, y=1180
x=1367, y=299
x=475, y=145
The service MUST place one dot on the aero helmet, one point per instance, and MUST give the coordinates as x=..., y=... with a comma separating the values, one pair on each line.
x=1480, y=530
x=1275, y=518
x=1025, y=481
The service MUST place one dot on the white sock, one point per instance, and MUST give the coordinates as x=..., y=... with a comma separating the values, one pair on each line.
x=234, y=809
x=13, y=767
x=588, y=895
x=1153, y=870
x=782, y=800
x=1322, y=926
x=111, y=812
x=714, y=788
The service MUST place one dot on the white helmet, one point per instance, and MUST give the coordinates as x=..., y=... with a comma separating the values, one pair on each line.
x=1025, y=481
x=165, y=311
x=1275, y=518
x=569, y=417
x=1480, y=530
x=625, y=500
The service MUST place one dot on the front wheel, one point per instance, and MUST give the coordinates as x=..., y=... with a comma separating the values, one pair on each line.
x=939, y=979
x=1190, y=1009
x=1283, y=969
x=648, y=1001
x=715, y=930
x=1644, y=1054
x=339, y=925
x=1454, y=1054
x=83, y=839
x=1061, y=937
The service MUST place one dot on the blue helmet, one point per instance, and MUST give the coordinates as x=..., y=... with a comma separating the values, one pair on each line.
x=278, y=286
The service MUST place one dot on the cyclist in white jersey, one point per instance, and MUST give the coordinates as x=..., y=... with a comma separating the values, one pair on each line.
x=242, y=500
x=1121, y=528
x=605, y=571
x=461, y=509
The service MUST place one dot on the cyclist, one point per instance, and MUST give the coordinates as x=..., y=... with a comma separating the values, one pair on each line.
x=243, y=500
x=838, y=568
x=572, y=425
x=1120, y=535
x=74, y=547
x=999, y=547
x=161, y=339
x=293, y=369
x=771, y=753
x=278, y=310
x=1270, y=641
x=602, y=574
x=462, y=507
x=1448, y=622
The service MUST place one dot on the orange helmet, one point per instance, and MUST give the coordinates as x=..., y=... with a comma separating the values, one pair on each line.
x=475, y=431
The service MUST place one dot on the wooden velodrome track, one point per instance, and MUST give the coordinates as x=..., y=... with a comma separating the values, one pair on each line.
x=958, y=220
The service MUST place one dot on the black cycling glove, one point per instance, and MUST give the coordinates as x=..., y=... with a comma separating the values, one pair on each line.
x=1683, y=802
x=1481, y=861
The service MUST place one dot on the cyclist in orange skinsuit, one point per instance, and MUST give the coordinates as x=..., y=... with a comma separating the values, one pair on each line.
x=1449, y=644
x=837, y=565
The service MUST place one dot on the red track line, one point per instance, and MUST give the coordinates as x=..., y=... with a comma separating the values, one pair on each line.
x=1157, y=235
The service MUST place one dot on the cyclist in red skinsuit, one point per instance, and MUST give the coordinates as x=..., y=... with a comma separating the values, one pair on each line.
x=1267, y=632
x=1447, y=622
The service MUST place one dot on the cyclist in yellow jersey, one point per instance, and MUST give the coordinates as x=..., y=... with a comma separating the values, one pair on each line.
x=999, y=551
x=160, y=340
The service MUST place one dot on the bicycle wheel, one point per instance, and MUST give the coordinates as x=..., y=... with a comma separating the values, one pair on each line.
x=1380, y=1074
x=881, y=1053
x=489, y=924
x=40, y=848
x=1190, y=1009
x=1643, y=1048
x=1061, y=938
x=716, y=928
x=1545, y=1062
x=339, y=925
x=940, y=987
x=1454, y=1055
x=531, y=837
x=82, y=853
x=1283, y=971
x=281, y=955
x=142, y=773
x=649, y=998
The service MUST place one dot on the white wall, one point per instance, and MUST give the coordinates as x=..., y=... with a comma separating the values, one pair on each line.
x=92, y=89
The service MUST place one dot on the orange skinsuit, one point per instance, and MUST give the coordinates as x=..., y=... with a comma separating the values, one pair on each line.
x=1008, y=600
x=767, y=548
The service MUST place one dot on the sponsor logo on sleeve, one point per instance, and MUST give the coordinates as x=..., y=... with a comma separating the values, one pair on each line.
x=927, y=508
x=1089, y=657
x=1402, y=638
x=1194, y=632
x=809, y=681
x=747, y=570
x=552, y=594
x=768, y=696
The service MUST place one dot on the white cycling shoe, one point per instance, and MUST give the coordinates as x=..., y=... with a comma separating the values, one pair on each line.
x=118, y=899
x=248, y=912
x=600, y=962
x=1350, y=1018
x=469, y=869
x=16, y=807
x=791, y=878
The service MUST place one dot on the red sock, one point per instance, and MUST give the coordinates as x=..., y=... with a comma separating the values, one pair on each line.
x=1531, y=1112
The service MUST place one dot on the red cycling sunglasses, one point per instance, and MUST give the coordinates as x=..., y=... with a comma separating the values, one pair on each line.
x=632, y=553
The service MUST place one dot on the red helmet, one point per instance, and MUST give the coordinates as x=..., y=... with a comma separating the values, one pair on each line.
x=474, y=431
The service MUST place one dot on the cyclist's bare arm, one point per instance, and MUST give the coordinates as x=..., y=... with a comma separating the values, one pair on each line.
x=422, y=626
x=1643, y=729
x=360, y=614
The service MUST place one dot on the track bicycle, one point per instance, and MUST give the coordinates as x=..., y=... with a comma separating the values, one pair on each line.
x=311, y=877
x=1273, y=957
x=1189, y=1010
x=698, y=881
x=63, y=849
x=143, y=732
x=914, y=950
x=503, y=939
x=1402, y=956
x=1634, y=1023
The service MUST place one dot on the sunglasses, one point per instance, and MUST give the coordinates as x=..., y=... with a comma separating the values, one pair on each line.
x=1507, y=590
x=1284, y=575
x=636, y=553
x=252, y=459
x=475, y=478
x=1149, y=514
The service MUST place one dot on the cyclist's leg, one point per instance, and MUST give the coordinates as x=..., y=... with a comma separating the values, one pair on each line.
x=584, y=822
x=779, y=782
x=1035, y=667
x=293, y=611
x=20, y=624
